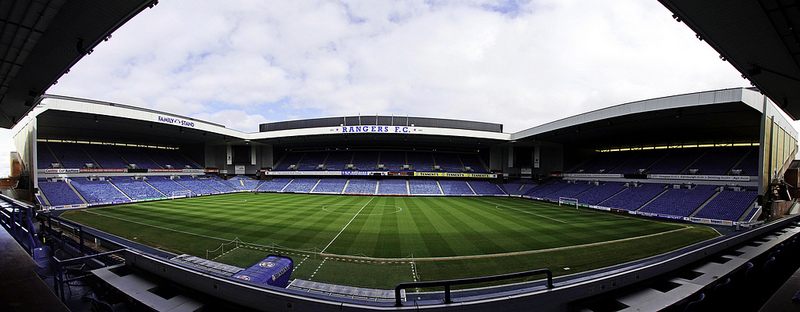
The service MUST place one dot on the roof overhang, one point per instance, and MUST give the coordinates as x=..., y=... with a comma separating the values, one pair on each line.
x=721, y=115
x=761, y=39
x=42, y=40
x=74, y=118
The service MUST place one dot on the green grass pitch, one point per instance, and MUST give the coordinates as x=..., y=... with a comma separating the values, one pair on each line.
x=372, y=241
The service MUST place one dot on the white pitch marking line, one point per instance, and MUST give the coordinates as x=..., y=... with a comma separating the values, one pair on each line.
x=318, y=267
x=346, y=225
x=535, y=214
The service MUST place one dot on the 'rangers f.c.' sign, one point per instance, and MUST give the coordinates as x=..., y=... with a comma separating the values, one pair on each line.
x=376, y=129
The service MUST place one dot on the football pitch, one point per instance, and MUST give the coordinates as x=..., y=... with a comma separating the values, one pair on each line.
x=378, y=242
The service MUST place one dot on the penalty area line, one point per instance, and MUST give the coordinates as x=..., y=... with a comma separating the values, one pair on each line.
x=346, y=225
x=528, y=212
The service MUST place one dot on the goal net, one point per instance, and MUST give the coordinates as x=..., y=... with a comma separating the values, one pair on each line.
x=568, y=201
x=180, y=194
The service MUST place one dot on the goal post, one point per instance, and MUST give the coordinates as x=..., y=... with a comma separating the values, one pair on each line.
x=568, y=201
x=180, y=194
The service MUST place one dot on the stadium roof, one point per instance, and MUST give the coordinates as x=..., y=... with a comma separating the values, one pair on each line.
x=368, y=120
x=712, y=116
x=760, y=38
x=719, y=116
x=41, y=39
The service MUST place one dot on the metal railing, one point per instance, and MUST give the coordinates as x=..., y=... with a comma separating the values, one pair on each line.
x=58, y=270
x=464, y=281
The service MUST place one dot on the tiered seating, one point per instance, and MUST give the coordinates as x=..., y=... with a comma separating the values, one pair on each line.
x=634, y=197
x=59, y=193
x=170, y=158
x=448, y=162
x=749, y=164
x=420, y=161
x=134, y=155
x=513, y=187
x=675, y=161
x=546, y=189
x=424, y=187
x=452, y=187
x=680, y=202
x=241, y=183
x=330, y=186
x=301, y=185
x=274, y=185
x=526, y=187
x=288, y=160
x=312, y=160
x=70, y=155
x=222, y=185
x=338, y=160
x=602, y=163
x=485, y=188
x=365, y=160
x=105, y=156
x=166, y=185
x=571, y=190
x=361, y=186
x=392, y=160
x=718, y=161
x=136, y=189
x=728, y=205
x=638, y=160
x=474, y=162
x=597, y=194
x=97, y=192
x=202, y=186
x=392, y=187
x=44, y=158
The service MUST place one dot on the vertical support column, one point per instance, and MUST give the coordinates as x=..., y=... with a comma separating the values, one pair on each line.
x=764, y=149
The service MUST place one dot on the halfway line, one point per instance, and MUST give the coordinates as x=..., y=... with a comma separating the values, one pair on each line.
x=348, y=223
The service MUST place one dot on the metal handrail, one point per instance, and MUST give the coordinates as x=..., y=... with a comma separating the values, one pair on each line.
x=472, y=280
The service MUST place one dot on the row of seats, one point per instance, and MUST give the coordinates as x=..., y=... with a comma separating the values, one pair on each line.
x=391, y=160
x=381, y=187
x=69, y=155
x=712, y=161
x=125, y=189
x=701, y=201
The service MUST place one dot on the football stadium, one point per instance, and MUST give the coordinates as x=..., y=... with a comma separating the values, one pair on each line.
x=676, y=203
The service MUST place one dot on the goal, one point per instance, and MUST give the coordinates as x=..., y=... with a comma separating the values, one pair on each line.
x=568, y=201
x=180, y=194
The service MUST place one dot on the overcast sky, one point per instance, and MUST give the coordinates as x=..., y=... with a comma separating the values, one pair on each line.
x=519, y=63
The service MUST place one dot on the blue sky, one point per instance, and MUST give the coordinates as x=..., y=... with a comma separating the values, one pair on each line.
x=520, y=63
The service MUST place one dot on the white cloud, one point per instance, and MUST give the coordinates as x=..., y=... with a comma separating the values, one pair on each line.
x=520, y=63
x=541, y=61
x=234, y=119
